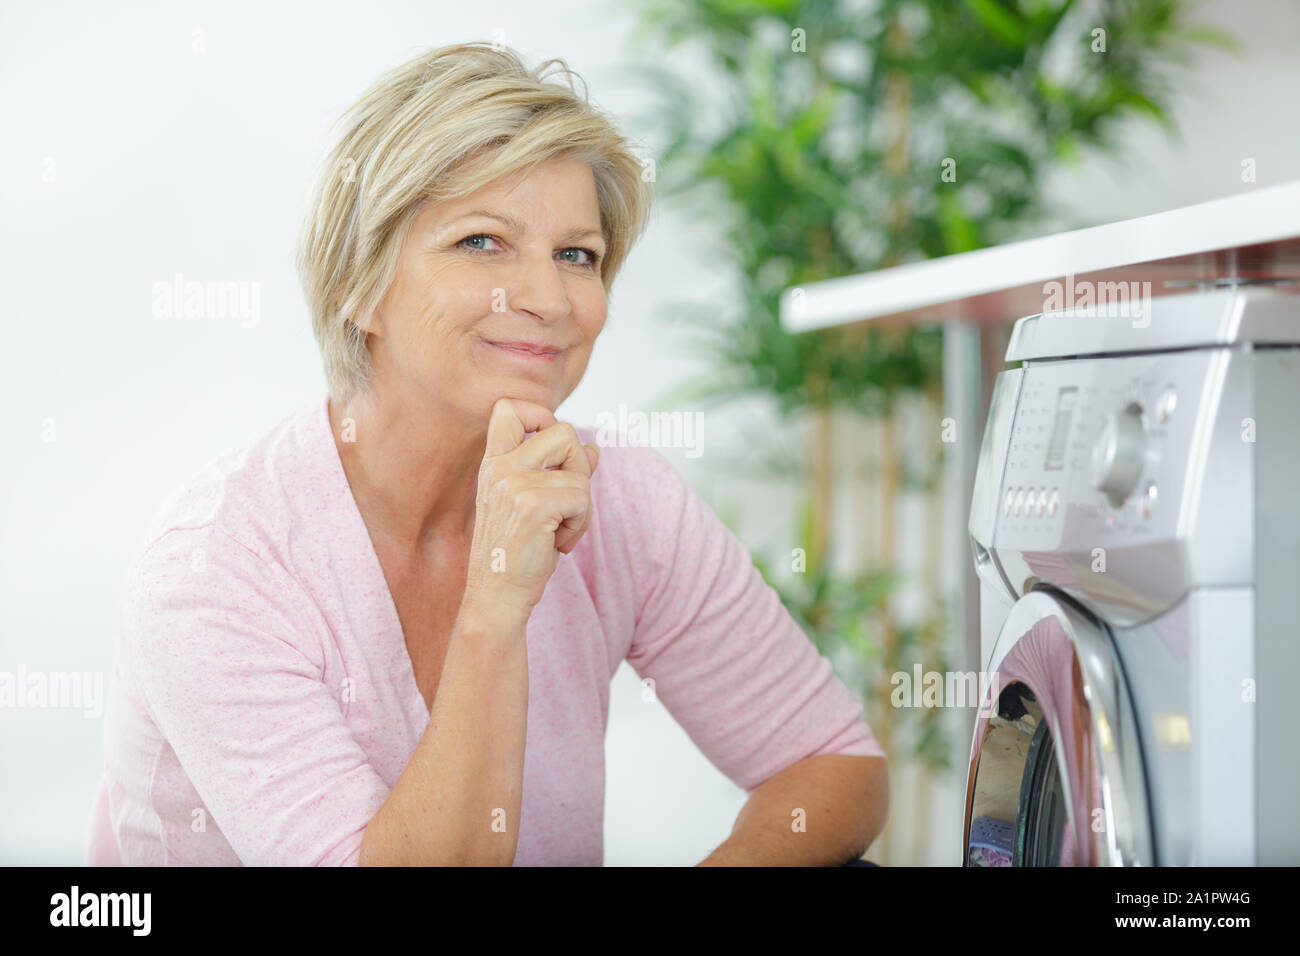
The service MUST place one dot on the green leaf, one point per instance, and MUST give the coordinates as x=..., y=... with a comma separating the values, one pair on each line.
x=1002, y=23
x=959, y=231
x=1209, y=36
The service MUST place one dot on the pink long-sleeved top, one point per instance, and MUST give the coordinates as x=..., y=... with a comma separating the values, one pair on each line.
x=263, y=704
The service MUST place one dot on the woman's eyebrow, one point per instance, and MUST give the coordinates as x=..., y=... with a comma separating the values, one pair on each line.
x=576, y=233
x=581, y=234
x=513, y=223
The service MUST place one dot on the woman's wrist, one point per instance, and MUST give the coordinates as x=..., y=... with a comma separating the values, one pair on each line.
x=487, y=625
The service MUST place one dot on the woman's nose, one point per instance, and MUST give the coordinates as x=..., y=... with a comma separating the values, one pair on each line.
x=538, y=287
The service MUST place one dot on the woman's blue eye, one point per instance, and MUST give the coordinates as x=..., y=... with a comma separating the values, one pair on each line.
x=475, y=238
x=591, y=260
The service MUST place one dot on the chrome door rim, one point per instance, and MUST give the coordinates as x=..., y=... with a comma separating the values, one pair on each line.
x=1108, y=816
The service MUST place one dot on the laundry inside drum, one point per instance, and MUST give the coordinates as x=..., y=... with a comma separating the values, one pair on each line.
x=1018, y=812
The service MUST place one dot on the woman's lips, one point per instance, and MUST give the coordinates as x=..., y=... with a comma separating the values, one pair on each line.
x=523, y=353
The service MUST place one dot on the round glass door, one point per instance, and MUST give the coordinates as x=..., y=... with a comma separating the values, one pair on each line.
x=1055, y=775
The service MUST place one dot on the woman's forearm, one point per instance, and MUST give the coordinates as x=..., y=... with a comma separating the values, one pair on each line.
x=820, y=811
x=458, y=800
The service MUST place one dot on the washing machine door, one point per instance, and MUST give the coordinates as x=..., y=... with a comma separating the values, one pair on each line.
x=1056, y=775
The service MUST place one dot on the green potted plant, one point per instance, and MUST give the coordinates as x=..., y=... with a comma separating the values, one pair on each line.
x=839, y=137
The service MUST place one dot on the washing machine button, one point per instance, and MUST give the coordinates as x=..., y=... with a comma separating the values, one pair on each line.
x=1149, y=499
x=1166, y=403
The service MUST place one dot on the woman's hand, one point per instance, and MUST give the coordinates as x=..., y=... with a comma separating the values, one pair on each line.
x=534, y=502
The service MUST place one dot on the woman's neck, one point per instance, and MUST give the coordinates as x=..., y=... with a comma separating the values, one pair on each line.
x=412, y=467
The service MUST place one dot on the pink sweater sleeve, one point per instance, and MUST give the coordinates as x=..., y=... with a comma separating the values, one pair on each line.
x=727, y=660
x=229, y=668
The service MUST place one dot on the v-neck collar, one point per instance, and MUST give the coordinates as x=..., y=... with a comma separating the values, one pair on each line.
x=343, y=503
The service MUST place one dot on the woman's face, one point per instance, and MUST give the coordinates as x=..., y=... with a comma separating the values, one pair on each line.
x=516, y=261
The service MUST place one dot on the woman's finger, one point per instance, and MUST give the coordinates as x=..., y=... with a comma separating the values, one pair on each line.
x=512, y=419
x=557, y=447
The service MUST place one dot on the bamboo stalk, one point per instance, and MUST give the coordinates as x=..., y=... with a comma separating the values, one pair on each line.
x=897, y=104
x=821, y=480
x=932, y=398
x=889, y=554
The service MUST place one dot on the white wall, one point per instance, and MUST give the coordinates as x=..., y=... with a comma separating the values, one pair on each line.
x=130, y=156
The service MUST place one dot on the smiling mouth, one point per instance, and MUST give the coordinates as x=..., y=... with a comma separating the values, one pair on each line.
x=525, y=352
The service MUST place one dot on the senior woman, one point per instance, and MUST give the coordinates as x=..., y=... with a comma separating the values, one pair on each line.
x=384, y=632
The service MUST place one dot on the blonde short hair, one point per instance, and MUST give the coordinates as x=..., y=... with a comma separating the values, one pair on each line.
x=407, y=141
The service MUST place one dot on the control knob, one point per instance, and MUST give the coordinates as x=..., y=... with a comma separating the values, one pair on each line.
x=1120, y=454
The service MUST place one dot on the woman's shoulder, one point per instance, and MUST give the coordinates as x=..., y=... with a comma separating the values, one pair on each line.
x=240, y=493
x=641, y=494
x=628, y=466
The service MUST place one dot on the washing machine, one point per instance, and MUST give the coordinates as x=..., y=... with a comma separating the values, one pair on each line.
x=1135, y=528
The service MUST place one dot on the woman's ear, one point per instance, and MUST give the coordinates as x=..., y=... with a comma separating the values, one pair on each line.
x=367, y=321
x=372, y=323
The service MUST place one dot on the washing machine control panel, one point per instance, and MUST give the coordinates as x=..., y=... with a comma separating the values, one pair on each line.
x=1101, y=454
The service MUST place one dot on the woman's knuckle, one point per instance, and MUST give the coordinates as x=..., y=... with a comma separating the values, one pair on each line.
x=513, y=483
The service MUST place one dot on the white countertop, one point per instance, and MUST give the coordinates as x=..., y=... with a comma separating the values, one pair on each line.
x=1253, y=236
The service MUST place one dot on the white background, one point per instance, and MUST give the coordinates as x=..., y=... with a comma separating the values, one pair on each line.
x=166, y=160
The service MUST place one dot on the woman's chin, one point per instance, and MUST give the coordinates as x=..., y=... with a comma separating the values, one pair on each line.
x=522, y=390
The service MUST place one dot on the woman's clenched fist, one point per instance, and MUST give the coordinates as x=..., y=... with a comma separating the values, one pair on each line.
x=534, y=503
